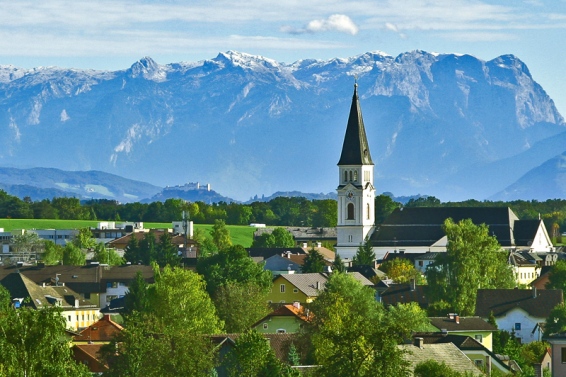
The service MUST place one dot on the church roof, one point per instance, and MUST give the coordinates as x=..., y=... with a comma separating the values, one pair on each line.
x=355, y=150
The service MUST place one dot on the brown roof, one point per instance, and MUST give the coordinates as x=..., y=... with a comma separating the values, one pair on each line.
x=403, y=294
x=462, y=324
x=288, y=310
x=89, y=354
x=101, y=331
x=500, y=301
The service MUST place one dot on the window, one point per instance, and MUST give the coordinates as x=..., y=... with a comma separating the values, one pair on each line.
x=281, y=331
x=265, y=325
x=345, y=176
x=479, y=338
x=366, y=176
x=295, y=290
x=421, y=263
x=350, y=238
x=350, y=211
x=83, y=317
x=367, y=211
x=282, y=288
x=563, y=354
x=517, y=326
x=355, y=176
x=69, y=318
x=479, y=363
x=350, y=175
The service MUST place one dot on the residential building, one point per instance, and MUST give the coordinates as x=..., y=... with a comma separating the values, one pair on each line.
x=77, y=312
x=520, y=311
x=474, y=327
x=287, y=318
x=446, y=353
x=302, y=288
x=558, y=354
x=100, y=332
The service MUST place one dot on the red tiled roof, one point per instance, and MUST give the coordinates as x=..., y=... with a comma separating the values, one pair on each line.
x=101, y=331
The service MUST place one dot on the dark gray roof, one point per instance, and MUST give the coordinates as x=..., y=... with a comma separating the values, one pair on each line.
x=463, y=324
x=403, y=294
x=422, y=226
x=307, y=283
x=355, y=150
x=267, y=252
x=500, y=301
x=525, y=231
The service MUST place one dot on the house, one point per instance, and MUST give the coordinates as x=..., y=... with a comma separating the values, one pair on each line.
x=447, y=353
x=89, y=355
x=474, y=327
x=285, y=319
x=304, y=234
x=418, y=230
x=97, y=283
x=177, y=239
x=473, y=349
x=524, y=268
x=100, y=332
x=77, y=312
x=303, y=288
x=519, y=311
x=558, y=354
x=403, y=294
x=284, y=264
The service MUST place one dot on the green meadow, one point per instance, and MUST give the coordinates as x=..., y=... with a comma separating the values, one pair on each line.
x=241, y=234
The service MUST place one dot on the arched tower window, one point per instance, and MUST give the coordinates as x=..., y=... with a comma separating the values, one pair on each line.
x=350, y=211
x=345, y=176
x=355, y=176
x=367, y=210
x=350, y=176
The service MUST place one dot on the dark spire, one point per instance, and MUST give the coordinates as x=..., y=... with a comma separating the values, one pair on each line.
x=355, y=150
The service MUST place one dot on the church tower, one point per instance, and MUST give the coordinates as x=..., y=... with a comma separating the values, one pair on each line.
x=356, y=194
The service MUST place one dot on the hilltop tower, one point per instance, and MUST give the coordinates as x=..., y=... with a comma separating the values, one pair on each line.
x=356, y=193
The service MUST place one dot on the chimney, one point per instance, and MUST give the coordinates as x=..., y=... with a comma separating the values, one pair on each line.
x=76, y=303
x=534, y=292
x=419, y=342
x=457, y=319
x=318, y=285
x=319, y=244
x=413, y=285
x=305, y=245
x=297, y=305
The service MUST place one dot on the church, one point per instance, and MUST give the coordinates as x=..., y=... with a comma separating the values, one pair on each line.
x=411, y=230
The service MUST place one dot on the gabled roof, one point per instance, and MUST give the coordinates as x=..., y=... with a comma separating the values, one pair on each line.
x=101, y=331
x=446, y=353
x=525, y=231
x=462, y=324
x=312, y=283
x=21, y=287
x=422, y=226
x=267, y=252
x=278, y=263
x=90, y=354
x=288, y=310
x=355, y=150
x=403, y=294
x=500, y=301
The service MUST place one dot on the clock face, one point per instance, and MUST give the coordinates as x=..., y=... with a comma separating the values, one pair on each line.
x=350, y=195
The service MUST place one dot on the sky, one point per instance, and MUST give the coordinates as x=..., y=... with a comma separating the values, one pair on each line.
x=112, y=35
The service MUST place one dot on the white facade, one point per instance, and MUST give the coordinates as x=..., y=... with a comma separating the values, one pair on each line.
x=522, y=324
x=542, y=241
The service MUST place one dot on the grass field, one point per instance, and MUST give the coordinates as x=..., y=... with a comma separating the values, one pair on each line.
x=241, y=235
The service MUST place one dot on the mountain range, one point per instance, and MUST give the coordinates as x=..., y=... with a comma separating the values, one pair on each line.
x=453, y=126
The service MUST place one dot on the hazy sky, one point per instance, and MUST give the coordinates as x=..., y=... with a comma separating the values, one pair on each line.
x=114, y=34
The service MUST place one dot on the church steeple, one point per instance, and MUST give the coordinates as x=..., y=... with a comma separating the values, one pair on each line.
x=355, y=150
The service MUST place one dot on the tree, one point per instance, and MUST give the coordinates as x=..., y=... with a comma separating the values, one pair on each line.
x=338, y=264
x=232, y=265
x=147, y=248
x=107, y=256
x=556, y=321
x=26, y=245
x=384, y=206
x=313, y=262
x=83, y=240
x=240, y=305
x=557, y=276
x=73, y=256
x=167, y=252
x=167, y=338
x=282, y=238
x=33, y=342
x=401, y=270
x=473, y=260
x=53, y=253
x=354, y=335
x=132, y=251
x=364, y=255
x=221, y=235
x=250, y=355
x=137, y=296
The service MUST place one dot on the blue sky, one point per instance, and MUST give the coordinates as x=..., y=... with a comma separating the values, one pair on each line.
x=114, y=34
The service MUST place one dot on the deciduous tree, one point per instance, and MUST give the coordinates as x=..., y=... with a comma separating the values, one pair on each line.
x=473, y=260
x=73, y=256
x=107, y=256
x=240, y=305
x=221, y=235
